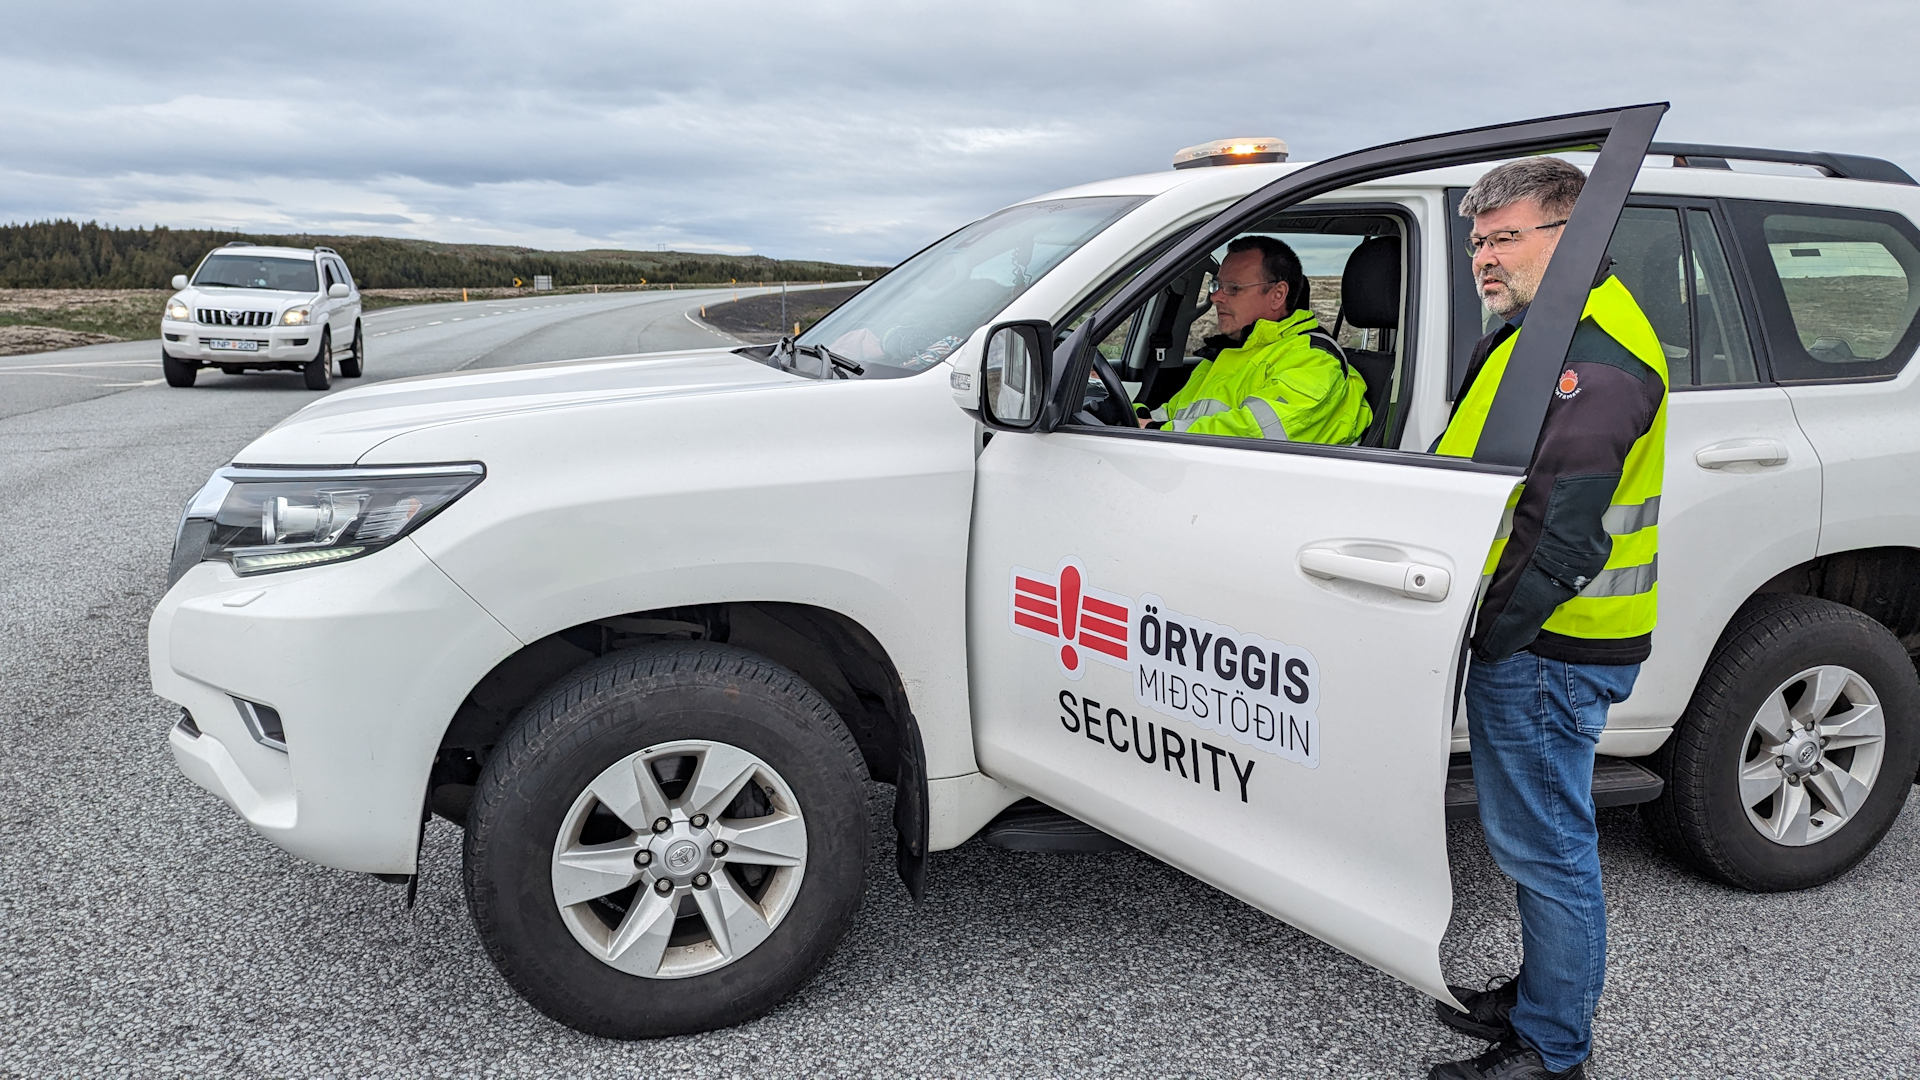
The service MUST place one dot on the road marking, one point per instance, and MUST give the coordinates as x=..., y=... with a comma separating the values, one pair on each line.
x=97, y=363
x=435, y=322
x=144, y=382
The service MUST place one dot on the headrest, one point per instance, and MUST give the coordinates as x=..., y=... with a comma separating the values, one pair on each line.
x=1370, y=286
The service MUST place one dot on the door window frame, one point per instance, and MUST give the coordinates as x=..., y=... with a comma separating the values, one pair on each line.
x=1518, y=411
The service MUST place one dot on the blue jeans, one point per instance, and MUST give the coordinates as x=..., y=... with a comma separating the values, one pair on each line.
x=1533, y=723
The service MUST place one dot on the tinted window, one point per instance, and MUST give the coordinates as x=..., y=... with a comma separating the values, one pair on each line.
x=1838, y=288
x=1646, y=254
x=1723, y=354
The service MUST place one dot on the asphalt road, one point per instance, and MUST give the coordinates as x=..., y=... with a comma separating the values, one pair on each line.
x=145, y=931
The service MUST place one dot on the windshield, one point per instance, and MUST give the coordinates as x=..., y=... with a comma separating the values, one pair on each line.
x=258, y=272
x=926, y=307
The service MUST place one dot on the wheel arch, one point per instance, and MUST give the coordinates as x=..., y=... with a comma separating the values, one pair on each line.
x=1882, y=583
x=835, y=654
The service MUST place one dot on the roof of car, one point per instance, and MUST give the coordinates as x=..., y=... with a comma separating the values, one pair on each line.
x=1657, y=176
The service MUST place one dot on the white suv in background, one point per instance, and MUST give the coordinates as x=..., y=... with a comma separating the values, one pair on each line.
x=254, y=308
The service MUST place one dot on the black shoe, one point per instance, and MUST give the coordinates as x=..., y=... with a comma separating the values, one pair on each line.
x=1488, y=1011
x=1510, y=1060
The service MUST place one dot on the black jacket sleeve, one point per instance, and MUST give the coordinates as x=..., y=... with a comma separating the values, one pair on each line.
x=1603, y=403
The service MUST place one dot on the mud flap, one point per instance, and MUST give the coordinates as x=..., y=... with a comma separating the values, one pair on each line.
x=910, y=811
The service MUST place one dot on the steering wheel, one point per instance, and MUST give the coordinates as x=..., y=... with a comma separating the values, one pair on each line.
x=1116, y=410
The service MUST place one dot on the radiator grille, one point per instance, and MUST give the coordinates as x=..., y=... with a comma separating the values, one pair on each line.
x=225, y=317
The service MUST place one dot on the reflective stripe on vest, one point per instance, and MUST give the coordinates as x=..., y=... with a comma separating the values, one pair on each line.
x=1620, y=601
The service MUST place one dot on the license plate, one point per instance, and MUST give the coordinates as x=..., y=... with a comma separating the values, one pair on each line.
x=231, y=345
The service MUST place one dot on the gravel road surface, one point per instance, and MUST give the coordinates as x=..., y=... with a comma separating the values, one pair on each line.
x=145, y=931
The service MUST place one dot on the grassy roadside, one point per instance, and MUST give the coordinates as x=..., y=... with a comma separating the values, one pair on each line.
x=38, y=320
x=758, y=318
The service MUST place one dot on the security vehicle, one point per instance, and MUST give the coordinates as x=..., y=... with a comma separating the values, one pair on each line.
x=255, y=308
x=645, y=625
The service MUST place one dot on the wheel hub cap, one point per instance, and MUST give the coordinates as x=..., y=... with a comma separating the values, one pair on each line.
x=648, y=892
x=1811, y=755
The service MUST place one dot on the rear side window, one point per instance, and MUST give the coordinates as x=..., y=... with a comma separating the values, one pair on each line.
x=1682, y=283
x=1838, y=288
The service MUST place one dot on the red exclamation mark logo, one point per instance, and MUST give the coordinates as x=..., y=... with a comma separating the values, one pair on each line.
x=1069, y=600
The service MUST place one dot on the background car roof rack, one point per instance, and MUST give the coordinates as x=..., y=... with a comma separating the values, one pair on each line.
x=238, y=243
x=1845, y=166
x=330, y=251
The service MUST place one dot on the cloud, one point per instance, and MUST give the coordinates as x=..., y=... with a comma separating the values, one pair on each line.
x=839, y=130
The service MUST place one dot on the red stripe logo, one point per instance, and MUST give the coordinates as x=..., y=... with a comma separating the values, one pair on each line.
x=1062, y=609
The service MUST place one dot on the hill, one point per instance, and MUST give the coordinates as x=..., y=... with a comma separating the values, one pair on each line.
x=67, y=255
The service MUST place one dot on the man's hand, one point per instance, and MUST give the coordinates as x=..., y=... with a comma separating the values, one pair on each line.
x=1144, y=421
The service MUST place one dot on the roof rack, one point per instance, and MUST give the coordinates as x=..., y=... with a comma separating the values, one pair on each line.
x=328, y=250
x=1845, y=166
x=238, y=243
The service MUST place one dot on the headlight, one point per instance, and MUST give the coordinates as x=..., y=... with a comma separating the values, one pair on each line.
x=296, y=316
x=263, y=520
x=177, y=310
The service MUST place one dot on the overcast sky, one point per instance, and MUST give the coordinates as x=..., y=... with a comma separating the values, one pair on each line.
x=847, y=131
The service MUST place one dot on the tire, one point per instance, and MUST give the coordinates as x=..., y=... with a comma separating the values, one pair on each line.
x=1736, y=806
x=178, y=372
x=681, y=710
x=353, y=364
x=319, y=370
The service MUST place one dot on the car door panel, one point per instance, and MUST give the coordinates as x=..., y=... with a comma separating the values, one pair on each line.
x=1319, y=732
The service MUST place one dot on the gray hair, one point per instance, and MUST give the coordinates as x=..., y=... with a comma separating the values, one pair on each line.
x=1549, y=181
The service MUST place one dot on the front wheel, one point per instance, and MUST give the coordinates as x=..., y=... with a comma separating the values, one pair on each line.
x=1796, y=752
x=671, y=840
x=354, y=362
x=319, y=371
x=178, y=372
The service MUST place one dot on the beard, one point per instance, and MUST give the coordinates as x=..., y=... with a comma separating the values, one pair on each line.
x=1517, y=293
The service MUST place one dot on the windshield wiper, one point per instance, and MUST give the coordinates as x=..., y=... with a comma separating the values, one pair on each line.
x=839, y=365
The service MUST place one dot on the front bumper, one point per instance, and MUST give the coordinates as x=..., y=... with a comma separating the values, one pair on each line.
x=273, y=346
x=364, y=661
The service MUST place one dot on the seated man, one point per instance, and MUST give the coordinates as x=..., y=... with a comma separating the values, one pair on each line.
x=1268, y=380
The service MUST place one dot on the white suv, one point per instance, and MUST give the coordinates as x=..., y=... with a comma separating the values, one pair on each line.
x=644, y=625
x=255, y=308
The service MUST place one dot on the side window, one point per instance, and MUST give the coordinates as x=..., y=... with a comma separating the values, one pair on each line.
x=345, y=278
x=326, y=268
x=1647, y=259
x=1838, y=288
x=1723, y=355
x=1685, y=287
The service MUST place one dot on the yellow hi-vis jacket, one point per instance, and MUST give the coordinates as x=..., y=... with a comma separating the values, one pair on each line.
x=1277, y=385
x=1613, y=602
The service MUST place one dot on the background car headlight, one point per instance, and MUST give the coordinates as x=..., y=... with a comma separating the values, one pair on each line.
x=177, y=310
x=296, y=316
x=263, y=520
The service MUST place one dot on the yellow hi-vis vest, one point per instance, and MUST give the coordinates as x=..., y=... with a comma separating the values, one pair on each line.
x=1620, y=600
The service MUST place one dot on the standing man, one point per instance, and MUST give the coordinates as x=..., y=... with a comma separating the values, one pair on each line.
x=1565, y=622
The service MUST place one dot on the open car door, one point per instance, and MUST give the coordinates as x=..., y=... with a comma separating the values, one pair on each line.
x=1242, y=656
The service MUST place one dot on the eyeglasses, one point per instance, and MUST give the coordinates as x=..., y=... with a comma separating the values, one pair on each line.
x=1236, y=288
x=1502, y=240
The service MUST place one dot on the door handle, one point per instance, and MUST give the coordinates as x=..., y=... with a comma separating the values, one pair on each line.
x=1417, y=580
x=1741, y=452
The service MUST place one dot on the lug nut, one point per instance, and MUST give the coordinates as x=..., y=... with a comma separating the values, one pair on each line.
x=699, y=821
x=642, y=857
x=719, y=848
x=701, y=881
x=663, y=886
x=661, y=825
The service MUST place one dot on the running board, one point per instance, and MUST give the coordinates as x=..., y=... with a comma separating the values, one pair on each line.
x=1029, y=825
x=1616, y=782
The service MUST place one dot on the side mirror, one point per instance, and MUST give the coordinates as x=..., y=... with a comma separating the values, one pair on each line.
x=337, y=290
x=179, y=281
x=1016, y=374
